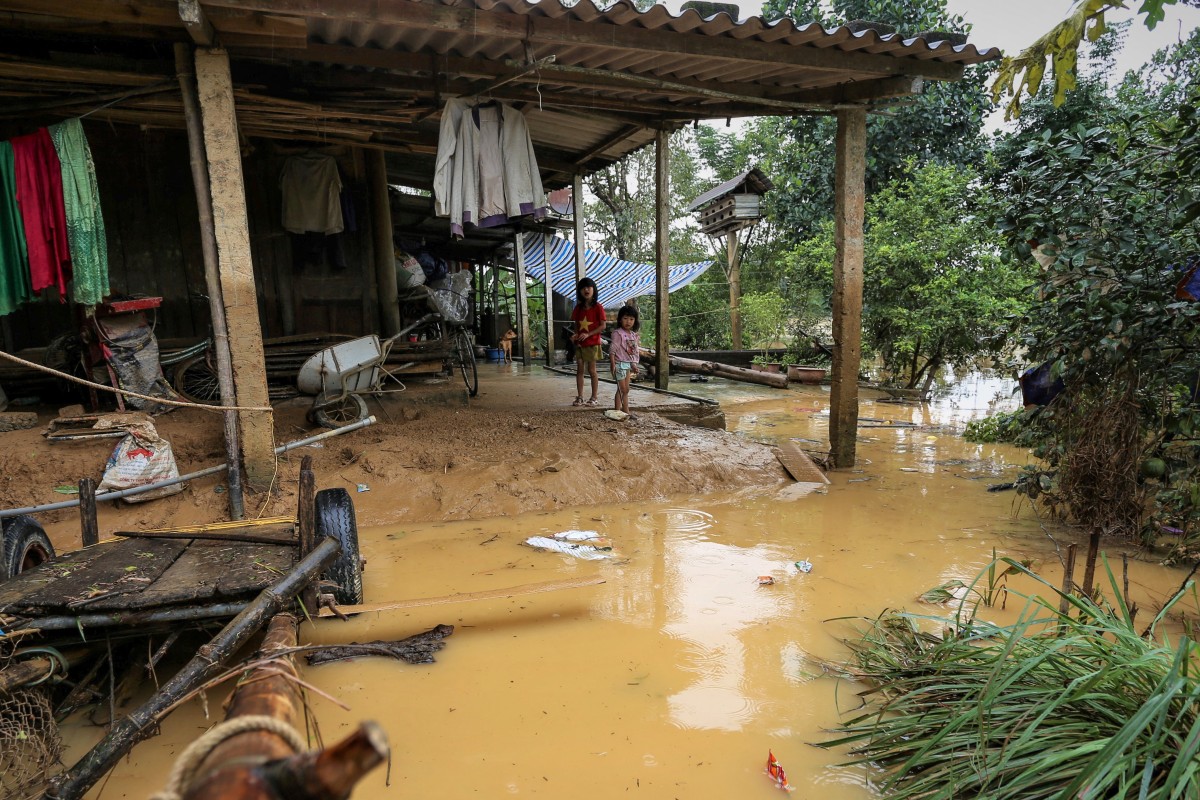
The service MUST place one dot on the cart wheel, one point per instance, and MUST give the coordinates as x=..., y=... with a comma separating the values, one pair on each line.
x=333, y=412
x=196, y=380
x=334, y=514
x=466, y=362
x=25, y=546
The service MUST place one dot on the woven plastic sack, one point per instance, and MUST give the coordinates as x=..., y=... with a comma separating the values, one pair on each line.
x=408, y=271
x=137, y=462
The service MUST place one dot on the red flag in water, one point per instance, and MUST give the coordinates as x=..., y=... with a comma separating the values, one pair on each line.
x=775, y=770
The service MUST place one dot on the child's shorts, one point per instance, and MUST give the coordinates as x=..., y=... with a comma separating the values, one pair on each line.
x=588, y=355
x=623, y=369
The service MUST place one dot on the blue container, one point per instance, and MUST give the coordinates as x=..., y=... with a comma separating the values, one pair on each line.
x=494, y=354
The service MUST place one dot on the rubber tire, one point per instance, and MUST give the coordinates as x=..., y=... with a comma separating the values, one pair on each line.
x=26, y=546
x=466, y=363
x=335, y=517
x=339, y=413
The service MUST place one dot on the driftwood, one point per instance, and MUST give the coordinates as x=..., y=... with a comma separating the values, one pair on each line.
x=416, y=649
x=776, y=380
x=207, y=662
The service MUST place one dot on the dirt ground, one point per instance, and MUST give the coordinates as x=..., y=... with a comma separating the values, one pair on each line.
x=517, y=447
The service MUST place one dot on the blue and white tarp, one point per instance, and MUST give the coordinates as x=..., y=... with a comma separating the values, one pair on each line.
x=617, y=280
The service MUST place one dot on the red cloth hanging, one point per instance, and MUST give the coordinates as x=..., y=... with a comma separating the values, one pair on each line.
x=40, y=196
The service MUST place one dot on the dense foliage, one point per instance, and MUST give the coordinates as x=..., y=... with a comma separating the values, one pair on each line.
x=1102, y=708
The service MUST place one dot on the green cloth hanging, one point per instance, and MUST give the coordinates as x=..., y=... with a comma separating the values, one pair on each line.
x=14, y=259
x=85, y=222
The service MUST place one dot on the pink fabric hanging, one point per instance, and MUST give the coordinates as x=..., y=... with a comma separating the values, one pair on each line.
x=40, y=196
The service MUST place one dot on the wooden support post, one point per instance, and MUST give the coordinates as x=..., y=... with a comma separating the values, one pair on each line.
x=381, y=236
x=223, y=149
x=547, y=240
x=577, y=209
x=522, y=299
x=1089, y=566
x=306, y=529
x=89, y=530
x=186, y=72
x=734, y=260
x=849, y=188
x=1068, y=584
x=662, y=253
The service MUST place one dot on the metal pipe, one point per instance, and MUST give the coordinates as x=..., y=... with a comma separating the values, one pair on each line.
x=139, y=618
x=12, y=512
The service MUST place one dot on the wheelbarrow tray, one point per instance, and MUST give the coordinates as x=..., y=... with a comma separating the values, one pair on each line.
x=351, y=366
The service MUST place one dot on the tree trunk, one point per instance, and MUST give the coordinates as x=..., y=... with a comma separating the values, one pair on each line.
x=777, y=380
x=734, y=261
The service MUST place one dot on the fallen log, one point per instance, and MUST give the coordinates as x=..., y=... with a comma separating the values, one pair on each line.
x=270, y=690
x=207, y=662
x=416, y=649
x=777, y=380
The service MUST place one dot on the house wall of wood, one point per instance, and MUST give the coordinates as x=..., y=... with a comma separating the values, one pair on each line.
x=153, y=231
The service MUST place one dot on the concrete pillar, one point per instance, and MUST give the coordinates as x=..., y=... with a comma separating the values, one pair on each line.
x=849, y=190
x=662, y=254
x=381, y=238
x=223, y=149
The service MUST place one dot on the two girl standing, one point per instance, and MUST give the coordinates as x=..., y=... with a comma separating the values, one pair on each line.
x=588, y=318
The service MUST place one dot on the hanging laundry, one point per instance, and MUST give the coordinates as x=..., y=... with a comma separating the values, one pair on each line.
x=85, y=221
x=311, y=194
x=14, y=263
x=40, y=196
x=486, y=172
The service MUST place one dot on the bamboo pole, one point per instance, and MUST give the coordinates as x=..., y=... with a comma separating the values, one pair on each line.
x=207, y=662
x=186, y=71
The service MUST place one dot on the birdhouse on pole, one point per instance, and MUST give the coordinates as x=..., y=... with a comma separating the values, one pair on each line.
x=734, y=205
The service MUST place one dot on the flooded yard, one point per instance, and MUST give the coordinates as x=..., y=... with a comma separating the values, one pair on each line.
x=674, y=677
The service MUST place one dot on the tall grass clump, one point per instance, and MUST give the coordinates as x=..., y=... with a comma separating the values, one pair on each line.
x=1078, y=705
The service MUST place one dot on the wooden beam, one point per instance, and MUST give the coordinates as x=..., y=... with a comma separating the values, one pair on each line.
x=381, y=237
x=662, y=255
x=186, y=69
x=197, y=24
x=547, y=240
x=859, y=92
x=577, y=208
x=610, y=142
x=522, y=297
x=572, y=32
x=222, y=147
x=849, y=188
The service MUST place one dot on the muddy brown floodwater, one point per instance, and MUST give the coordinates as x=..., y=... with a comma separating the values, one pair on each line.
x=674, y=677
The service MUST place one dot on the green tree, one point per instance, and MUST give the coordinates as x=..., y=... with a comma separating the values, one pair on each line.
x=935, y=290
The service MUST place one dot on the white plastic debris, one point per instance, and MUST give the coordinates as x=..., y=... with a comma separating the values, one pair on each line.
x=804, y=566
x=587, y=545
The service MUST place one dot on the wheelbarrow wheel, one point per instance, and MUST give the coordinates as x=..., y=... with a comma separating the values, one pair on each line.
x=334, y=512
x=25, y=546
x=337, y=412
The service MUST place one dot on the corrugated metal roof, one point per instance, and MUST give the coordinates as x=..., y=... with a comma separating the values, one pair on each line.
x=376, y=72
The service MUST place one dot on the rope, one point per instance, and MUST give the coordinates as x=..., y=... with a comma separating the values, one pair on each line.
x=185, y=767
x=126, y=392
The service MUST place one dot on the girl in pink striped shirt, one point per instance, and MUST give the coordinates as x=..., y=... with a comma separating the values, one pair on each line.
x=623, y=354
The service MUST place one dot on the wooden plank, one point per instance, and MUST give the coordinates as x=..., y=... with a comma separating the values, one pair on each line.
x=849, y=191
x=798, y=464
x=122, y=569
x=662, y=255
x=13, y=589
x=212, y=571
x=468, y=597
x=602, y=35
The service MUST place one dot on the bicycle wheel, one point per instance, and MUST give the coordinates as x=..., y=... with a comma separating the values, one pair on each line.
x=466, y=362
x=196, y=380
